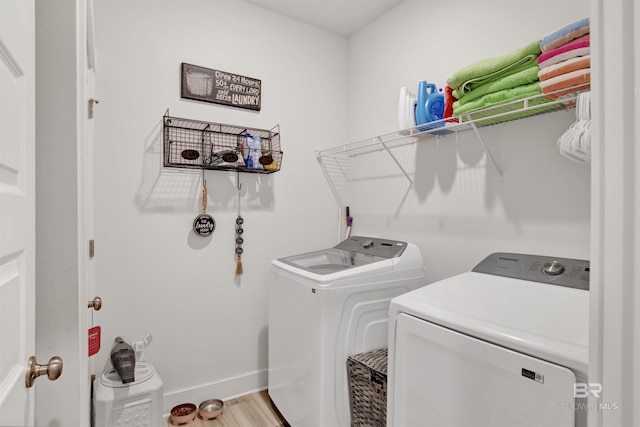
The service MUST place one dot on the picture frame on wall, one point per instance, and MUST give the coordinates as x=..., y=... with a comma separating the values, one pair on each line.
x=220, y=87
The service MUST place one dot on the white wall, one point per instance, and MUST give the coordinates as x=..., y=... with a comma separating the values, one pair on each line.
x=154, y=275
x=458, y=210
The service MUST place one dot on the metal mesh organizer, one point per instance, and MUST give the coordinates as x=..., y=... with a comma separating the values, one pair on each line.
x=367, y=377
x=197, y=144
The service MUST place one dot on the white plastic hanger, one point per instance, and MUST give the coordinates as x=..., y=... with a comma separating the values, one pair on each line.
x=575, y=142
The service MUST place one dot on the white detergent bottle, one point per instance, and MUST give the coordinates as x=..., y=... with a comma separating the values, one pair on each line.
x=406, y=109
x=256, y=152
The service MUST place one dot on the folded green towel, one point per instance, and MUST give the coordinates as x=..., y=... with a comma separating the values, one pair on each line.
x=491, y=69
x=459, y=93
x=496, y=101
x=499, y=97
x=526, y=75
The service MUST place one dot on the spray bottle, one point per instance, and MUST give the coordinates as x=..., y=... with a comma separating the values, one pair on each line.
x=248, y=144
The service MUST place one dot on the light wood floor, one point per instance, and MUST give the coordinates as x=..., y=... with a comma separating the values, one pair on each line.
x=252, y=410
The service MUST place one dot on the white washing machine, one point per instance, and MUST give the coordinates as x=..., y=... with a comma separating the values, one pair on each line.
x=324, y=306
x=503, y=345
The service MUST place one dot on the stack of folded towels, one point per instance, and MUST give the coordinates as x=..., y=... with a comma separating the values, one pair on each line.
x=495, y=81
x=565, y=61
x=542, y=67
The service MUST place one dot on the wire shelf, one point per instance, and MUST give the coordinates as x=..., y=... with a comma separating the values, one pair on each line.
x=561, y=99
x=508, y=111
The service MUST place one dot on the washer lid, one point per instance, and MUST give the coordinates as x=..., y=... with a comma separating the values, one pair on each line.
x=143, y=372
x=354, y=252
x=542, y=320
x=327, y=261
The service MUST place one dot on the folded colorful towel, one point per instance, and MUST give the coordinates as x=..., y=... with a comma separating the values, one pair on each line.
x=565, y=34
x=565, y=67
x=585, y=37
x=490, y=69
x=575, y=81
x=523, y=77
x=564, y=52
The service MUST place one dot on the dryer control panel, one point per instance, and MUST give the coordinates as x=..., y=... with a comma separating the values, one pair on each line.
x=384, y=248
x=568, y=272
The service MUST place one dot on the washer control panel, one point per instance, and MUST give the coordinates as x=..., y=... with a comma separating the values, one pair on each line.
x=384, y=248
x=568, y=272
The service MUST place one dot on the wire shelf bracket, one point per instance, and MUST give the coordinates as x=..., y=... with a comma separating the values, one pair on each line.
x=486, y=149
x=396, y=161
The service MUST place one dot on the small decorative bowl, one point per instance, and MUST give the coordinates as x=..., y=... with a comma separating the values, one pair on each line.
x=210, y=409
x=183, y=413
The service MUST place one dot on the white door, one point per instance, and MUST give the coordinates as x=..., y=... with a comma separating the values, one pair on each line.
x=17, y=209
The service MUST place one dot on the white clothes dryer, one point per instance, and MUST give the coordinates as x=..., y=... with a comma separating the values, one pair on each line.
x=505, y=344
x=324, y=306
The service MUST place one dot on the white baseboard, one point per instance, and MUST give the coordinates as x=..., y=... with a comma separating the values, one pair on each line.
x=225, y=389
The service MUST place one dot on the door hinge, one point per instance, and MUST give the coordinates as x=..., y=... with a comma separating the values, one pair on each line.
x=91, y=248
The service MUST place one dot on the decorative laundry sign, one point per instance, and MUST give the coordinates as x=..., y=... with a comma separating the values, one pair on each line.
x=220, y=87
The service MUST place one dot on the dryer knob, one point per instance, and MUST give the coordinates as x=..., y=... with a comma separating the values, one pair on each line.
x=553, y=268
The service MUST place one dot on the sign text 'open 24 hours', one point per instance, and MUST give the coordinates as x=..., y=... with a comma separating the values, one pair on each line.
x=221, y=87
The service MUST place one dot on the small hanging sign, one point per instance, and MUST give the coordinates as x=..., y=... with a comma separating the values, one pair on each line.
x=94, y=340
x=220, y=87
x=204, y=225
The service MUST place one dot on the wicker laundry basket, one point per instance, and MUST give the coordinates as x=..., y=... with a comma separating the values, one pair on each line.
x=367, y=377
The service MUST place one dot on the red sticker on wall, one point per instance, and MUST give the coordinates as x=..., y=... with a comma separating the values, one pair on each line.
x=94, y=340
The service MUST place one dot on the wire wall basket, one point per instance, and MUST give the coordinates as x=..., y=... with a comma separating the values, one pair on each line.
x=197, y=144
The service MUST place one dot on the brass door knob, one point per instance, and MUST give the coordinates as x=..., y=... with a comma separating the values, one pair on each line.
x=96, y=304
x=53, y=369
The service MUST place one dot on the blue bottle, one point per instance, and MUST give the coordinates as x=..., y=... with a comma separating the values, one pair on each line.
x=429, y=106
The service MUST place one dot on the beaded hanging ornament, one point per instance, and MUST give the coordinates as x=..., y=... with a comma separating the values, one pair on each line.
x=239, y=232
x=239, y=242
